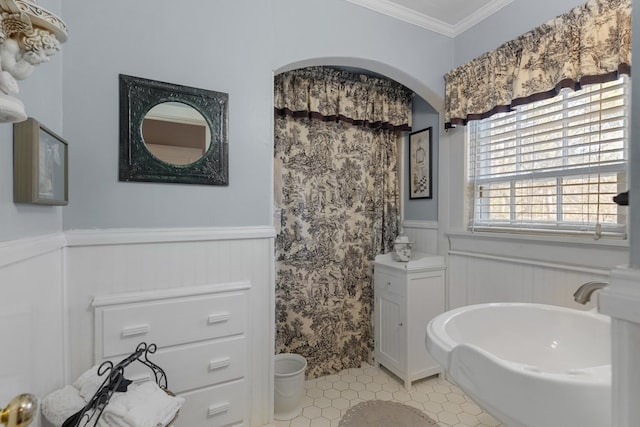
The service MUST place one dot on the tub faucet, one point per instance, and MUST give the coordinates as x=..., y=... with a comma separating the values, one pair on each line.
x=583, y=294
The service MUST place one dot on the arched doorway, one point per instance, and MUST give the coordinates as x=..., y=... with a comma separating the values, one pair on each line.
x=323, y=265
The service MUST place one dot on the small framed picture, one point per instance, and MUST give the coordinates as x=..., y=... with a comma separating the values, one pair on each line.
x=420, y=186
x=40, y=172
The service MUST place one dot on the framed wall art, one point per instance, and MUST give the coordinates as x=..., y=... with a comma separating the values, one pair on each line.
x=170, y=133
x=40, y=165
x=420, y=185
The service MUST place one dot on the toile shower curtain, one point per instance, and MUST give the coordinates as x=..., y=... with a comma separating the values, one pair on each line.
x=337, y=191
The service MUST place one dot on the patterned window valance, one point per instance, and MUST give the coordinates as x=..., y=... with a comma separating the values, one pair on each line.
x=335, y=95
x=590, y=44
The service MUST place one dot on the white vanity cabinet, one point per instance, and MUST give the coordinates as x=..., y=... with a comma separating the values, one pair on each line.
x=407, y=296
x=201, y=336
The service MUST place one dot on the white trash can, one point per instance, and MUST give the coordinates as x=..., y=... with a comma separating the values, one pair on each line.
x=289, y=385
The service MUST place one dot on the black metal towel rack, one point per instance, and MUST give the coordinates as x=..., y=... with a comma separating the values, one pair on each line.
x=115, y=381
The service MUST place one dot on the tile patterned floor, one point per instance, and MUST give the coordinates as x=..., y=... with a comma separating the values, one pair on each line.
x=328, y=398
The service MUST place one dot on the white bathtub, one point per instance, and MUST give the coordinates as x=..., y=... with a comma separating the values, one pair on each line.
x=529, y=365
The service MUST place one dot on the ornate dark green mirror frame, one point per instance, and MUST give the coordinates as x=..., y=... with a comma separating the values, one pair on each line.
x=137, y=163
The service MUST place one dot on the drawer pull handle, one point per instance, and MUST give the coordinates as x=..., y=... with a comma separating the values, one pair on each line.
x=388, y=284
x=218, y=409
x=135, y=330
x=218, y=318
x=219, y=363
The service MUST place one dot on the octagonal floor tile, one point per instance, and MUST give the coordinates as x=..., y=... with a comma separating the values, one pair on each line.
x=328, y=398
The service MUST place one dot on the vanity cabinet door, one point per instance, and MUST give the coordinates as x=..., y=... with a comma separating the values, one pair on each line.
x=390, y=325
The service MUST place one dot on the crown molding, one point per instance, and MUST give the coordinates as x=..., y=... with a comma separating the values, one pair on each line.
x=403, y=13
x=480, y=15
x=411, y=16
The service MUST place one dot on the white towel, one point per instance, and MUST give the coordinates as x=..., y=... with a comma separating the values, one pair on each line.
x=59, y=405
x=145, y=406
x=89, y=382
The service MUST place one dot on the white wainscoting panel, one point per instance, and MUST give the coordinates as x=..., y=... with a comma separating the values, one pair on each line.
x=495, y=269
x=31, y=317
x=423, y=233
x=621, y=300
x=108, y=262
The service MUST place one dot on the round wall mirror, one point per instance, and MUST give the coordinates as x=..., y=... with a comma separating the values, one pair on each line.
x=176, y=133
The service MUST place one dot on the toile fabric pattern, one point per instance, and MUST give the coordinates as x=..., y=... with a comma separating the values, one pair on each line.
x=339, y=206
x=589, y=44
x=329, y=94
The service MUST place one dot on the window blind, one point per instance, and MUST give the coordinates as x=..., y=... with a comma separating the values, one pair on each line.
x=552, y=165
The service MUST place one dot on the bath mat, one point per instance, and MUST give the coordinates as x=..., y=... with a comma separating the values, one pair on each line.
x=381, y=413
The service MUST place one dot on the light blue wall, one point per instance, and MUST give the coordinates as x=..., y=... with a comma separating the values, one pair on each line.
x=424, y=116
x=336, y=32
x=231, y=46
x=223, y=46
x=42, y=94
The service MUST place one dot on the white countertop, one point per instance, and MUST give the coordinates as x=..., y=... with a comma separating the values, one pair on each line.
x=419, y=261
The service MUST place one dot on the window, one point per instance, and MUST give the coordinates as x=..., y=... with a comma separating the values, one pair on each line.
x=552, y=165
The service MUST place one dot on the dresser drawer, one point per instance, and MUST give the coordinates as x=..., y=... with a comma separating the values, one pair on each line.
x=385, y=282
x=221, y=405
x=170, y=322
x=196, y=365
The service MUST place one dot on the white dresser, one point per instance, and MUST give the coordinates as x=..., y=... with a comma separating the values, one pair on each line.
x=201, y=335
x=407, y=296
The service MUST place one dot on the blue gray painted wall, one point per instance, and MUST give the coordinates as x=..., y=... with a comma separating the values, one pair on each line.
x=232, y=46
x=219, y=46
x=42, y=95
